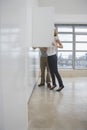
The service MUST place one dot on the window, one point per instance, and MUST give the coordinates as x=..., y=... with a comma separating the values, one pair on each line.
x=64, y=59
x=34, y=57
x=81, y=47
x=74, y=52
x=74, y=40
x=9, y=37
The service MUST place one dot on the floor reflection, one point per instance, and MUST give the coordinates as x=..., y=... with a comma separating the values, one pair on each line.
x=65, y=110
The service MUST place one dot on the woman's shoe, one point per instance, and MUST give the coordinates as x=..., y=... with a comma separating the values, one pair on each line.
x=53, y=87
x=60, y=88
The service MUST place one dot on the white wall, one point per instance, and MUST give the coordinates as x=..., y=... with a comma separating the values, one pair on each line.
x=43, y=26
x=71, y=19
x=68, y=11
x=15, y=87
x=1, y=101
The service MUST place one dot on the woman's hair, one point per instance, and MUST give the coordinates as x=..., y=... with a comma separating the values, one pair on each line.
x=55, y=32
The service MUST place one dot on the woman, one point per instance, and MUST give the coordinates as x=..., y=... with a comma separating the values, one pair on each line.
x=52, y=62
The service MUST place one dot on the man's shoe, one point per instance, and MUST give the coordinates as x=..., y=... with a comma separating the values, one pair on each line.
x=48, y=85
x=53, y=87
x=60, y=88
x=41, y=84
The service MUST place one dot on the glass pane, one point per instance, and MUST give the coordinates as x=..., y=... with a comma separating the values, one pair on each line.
x=33, y=53
x=34, y=57
x=64, y=59
x=81, y=60
x=80, y=29
x=32, y=49
x=66, y=46
x=81, y=46
x=4, y=38
x=81, y=37
x=4, y=30
x=4, y=47
x=9, y=30
x=65, y=29
x=65, y=37
x=8, y=38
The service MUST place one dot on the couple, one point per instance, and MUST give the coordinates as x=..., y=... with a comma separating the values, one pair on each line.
x=52, y=63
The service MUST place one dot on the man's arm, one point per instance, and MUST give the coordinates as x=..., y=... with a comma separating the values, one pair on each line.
x=45, y=48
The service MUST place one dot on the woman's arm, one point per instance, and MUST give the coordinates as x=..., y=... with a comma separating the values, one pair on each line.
x=58, y=43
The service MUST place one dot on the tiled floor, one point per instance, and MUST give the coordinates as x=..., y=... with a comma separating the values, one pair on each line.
x=65, y=110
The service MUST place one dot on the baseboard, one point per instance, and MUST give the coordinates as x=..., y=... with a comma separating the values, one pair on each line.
x=73, y=73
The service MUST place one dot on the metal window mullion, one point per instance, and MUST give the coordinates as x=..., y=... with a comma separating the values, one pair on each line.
x=64, y=32
x=81, y=50
x=81, y=41
x=66, y=41
x=74, y=48
x=64, y=50
x=81, y=33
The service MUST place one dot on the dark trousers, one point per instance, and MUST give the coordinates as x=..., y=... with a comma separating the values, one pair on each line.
x=52, y=62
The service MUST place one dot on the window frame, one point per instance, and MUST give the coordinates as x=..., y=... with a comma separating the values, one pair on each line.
x=74, y=51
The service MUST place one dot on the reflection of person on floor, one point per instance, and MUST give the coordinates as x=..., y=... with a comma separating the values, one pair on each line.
x=43, y=67
x=52, y=61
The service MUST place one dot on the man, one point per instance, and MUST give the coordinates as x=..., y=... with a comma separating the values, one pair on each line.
x=43, y=67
